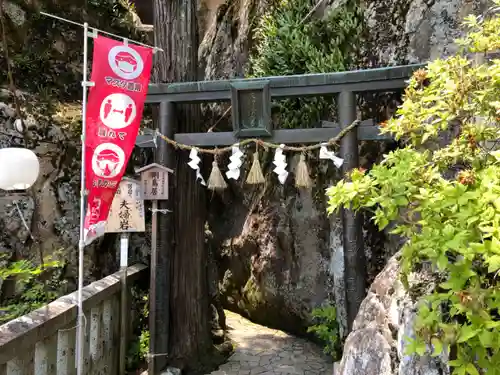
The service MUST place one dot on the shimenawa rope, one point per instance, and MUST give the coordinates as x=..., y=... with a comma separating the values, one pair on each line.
x=260, y=142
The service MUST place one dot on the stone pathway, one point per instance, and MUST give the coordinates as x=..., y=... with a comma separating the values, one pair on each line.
x=264, y=351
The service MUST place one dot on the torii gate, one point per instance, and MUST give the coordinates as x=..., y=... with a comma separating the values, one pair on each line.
x=250, y=97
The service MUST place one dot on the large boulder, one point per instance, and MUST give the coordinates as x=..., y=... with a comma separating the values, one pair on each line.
x=414, y=31
x=278, y=265
x=279, y=254
x=378, y=341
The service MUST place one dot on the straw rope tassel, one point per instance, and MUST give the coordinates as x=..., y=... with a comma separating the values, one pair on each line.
x=302, y=178
x=255, y=175
x=216, y=180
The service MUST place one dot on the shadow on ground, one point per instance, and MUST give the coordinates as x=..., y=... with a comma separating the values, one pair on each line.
x=266, y=351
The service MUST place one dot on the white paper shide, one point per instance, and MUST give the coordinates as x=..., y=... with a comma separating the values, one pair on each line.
x=280, y=164
x=324, y=153
x=236, y=161
x=194, y=164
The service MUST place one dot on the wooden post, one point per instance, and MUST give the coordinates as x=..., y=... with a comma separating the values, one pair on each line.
x=354, y=255
x=123, y=301
x=126, y=215
x=152, y=289
x=154, y=187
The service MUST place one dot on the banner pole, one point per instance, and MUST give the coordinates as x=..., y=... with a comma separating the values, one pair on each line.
x=81, y=245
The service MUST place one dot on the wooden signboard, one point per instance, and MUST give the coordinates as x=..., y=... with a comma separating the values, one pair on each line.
x=127, y=210
x=251, y=109
x=154, y=181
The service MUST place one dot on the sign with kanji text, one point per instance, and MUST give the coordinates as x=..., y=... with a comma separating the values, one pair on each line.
x=120, y=76
x=154, y=181
x=127, y=210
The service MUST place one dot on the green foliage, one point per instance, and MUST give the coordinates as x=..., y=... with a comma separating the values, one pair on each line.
x=326, y=328
x=291, y=41
x=38, y=285
x=444, y=197
x=144, y=344
x=139, y=348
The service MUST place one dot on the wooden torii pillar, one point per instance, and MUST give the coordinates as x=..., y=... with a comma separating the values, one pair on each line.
x=257, y=94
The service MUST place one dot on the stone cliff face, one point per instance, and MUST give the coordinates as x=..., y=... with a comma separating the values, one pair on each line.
x=377, y=343
x=226, y=36
x=279, y=254
x=412, y=31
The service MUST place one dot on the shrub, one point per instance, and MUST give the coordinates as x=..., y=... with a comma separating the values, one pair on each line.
x=326, y=328
x=38, y=285
x=289, y=40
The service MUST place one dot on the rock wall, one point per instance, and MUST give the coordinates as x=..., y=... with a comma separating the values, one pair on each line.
x=377, y=343
x=413, y=31
x=226, y=36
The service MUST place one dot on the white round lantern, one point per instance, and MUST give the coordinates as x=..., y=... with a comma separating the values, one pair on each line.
x=19, y=168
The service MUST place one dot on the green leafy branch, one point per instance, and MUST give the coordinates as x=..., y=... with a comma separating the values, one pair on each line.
x=38, y=285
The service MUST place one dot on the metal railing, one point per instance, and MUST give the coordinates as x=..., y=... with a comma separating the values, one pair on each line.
x=43, y=341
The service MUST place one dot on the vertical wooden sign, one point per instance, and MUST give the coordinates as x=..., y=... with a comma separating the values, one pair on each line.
x=154, y=186
x=154, y=181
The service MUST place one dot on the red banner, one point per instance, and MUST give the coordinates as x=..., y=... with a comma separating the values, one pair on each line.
x=114, y=110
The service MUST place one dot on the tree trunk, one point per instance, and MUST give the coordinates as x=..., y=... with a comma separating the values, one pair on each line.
x=190, y=339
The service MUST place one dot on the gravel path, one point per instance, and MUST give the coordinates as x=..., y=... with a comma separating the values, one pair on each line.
x=264, y=351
